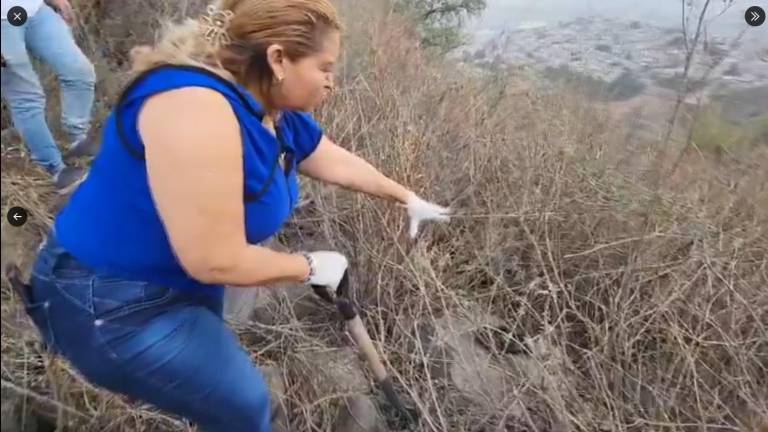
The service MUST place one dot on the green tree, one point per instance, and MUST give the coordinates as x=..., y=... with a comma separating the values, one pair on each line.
x=441, y=21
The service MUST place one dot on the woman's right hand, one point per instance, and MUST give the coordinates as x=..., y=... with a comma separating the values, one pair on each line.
x=326, y=268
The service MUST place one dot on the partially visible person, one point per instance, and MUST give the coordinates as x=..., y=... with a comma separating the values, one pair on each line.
x=47, y=35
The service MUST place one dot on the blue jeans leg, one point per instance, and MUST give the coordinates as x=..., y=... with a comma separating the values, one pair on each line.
x=164, y=347
x=22, y=91
x=187, y=362
x=50, y=38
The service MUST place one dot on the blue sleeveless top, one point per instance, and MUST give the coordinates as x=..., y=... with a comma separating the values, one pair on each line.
x=111, y=224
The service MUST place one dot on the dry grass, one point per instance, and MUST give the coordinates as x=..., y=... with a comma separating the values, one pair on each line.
x=659, y=298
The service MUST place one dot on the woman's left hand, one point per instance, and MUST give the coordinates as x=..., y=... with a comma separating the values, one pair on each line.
x=335, y=165
x=420, y=210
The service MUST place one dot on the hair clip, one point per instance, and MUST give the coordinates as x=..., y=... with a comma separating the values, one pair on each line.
x=215, y=24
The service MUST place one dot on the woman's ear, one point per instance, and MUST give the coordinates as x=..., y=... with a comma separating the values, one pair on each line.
x=276, y=60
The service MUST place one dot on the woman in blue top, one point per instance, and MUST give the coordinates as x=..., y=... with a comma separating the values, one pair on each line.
x=198, y=166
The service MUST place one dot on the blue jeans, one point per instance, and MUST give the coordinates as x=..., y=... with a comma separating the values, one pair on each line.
x=46, y=36
x=169, y=348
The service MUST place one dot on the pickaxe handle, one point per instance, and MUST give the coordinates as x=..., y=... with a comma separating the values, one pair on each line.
x=360, y=336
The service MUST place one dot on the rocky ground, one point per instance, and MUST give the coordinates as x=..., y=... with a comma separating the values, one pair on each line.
x=473, y=353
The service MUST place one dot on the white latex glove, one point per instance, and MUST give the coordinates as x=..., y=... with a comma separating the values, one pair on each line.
x=420, y=211
x=326, y=268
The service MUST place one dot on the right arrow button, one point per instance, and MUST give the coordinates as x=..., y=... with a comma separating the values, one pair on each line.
x=755, y=16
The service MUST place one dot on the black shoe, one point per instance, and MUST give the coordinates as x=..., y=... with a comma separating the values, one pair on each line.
x=68, y=179
x=87, y=146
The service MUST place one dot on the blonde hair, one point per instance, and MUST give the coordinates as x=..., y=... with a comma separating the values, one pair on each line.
x=299, y=26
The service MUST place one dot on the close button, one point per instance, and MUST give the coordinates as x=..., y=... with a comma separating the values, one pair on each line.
x=17, y=16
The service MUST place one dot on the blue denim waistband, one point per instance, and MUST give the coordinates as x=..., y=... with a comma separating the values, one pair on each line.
x=52, y=257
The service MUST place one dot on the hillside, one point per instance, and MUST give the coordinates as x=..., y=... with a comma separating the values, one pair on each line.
x=591, y=279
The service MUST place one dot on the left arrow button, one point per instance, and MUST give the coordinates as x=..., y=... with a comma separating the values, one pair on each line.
x=17, y=216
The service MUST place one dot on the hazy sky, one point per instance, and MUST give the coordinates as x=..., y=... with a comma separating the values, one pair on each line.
x=667, y=13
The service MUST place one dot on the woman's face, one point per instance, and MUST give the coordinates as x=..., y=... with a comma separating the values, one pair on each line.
x=307, y=82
